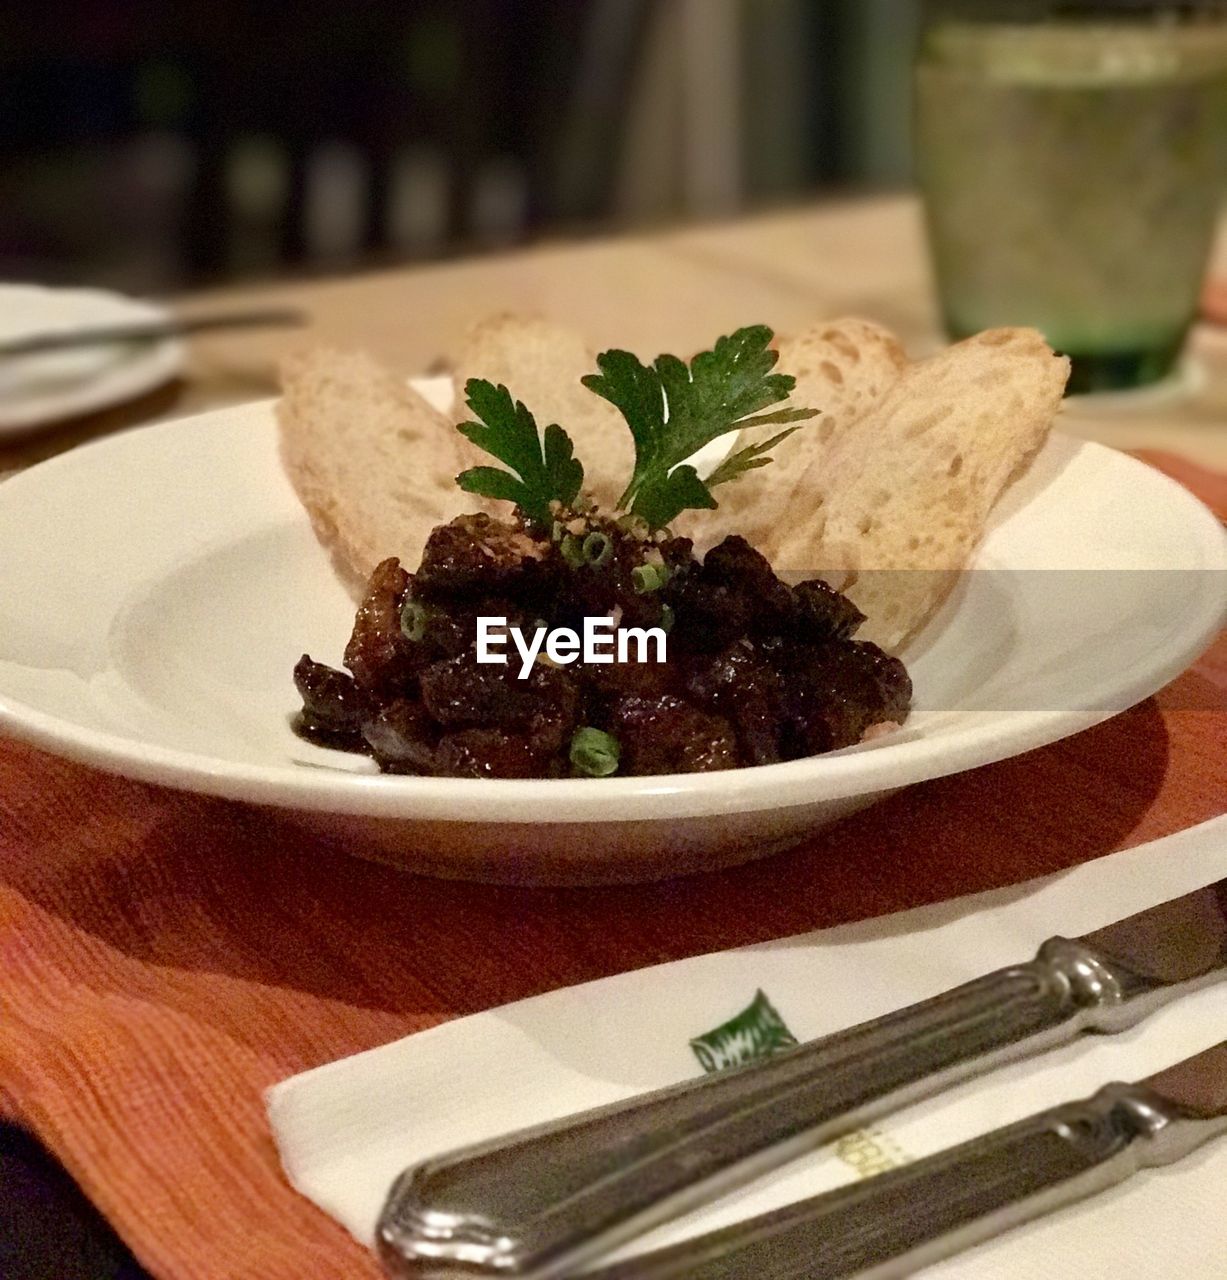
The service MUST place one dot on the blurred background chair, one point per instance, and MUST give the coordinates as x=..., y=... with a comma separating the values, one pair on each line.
x=152, y=147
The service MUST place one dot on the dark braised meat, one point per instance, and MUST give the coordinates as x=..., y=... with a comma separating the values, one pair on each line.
x=822, y=613
x=379, y=655
x=402, y=737
x=488, y=753
x=481, y=555
x=461, y=693
x=668, y=735
x=605, y=682
x=757, y=671
x=734, y=593
x=332, y=708
x=734, y=565
x=451, y=630
x=741, y=684
x=838, y=690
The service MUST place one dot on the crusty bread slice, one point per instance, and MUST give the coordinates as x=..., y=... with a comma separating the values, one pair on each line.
x=898, y=505
x=842, y=368
x=541, y=364
x=372, y=462
x=888, y=504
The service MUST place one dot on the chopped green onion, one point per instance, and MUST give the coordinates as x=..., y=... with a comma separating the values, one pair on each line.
x=636, y=526
x=649, y=577
x=557, y=530
x=667, y=618
x=597, y=549
x=594, y=752
x=572, y=551
x=413, y=619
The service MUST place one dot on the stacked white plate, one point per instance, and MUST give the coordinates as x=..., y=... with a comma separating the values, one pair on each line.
x=37, y=390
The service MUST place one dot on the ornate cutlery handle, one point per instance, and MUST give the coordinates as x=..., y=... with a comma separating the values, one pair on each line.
x=537, y=1202
x=888, y=1226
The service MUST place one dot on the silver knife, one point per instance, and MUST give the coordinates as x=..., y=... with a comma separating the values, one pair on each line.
x=538, y=1202
x=149, y=330
x=891, y=1225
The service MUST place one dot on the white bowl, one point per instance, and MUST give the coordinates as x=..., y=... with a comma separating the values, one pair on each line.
x=158, y=586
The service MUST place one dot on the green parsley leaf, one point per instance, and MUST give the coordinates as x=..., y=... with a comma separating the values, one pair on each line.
x=543, y=468
x=674, y=409
x=747, y=459
x=663, y=497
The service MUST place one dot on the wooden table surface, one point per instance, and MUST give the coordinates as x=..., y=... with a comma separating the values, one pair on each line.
x=165, y=957
x=674, y=290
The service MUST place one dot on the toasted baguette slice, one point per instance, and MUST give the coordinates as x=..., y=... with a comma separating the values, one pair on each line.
x=372, y=462
x=541, y=364
x=899, y=504
x=843, y=368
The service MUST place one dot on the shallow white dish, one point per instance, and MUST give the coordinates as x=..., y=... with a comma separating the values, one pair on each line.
x=41, y=389
x=157, y=587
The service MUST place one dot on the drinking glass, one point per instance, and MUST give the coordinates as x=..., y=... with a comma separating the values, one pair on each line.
x=1071, y=159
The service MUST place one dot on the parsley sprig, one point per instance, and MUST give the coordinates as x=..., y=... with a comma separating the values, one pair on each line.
x=750, y=458
x=674, y=409
x=543, y=469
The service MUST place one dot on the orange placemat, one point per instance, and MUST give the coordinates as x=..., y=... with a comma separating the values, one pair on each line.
x=165, y=957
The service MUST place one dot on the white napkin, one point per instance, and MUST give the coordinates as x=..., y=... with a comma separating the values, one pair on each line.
x=346, y=1129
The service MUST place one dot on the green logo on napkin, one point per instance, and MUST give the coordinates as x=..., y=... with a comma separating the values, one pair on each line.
x=757, y=1031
